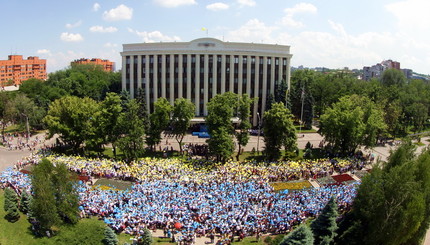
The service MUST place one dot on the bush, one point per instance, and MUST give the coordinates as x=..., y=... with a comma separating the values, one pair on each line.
x=146, y=237
x=110, y=237
x=12, y=214
x=10, y=198
x=25, y=202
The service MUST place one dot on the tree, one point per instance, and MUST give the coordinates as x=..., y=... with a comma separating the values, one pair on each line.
x=324, y=226
x=73, y=119
x=25, y=202
x=43, y=206
x=132, y=131
x=110, y=112
x=143, y=107
x=10, y=198
x=12, y=214
x=300, y=236
x=393, y=77
x=146, y=237
x=301, y=98
x=158, y=121
x=221, y=109
x=391, y=202
x=244, y=112
x=281, y=91
x=278, y=131
x=351, y=122
x=183, y=112
x=55, y=199
x=66, y=195
x=110, y=237
x=270, y=101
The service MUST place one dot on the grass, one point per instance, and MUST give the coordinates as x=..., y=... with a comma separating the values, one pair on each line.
x=87, y=231
x=302, y=129
x=116, y=184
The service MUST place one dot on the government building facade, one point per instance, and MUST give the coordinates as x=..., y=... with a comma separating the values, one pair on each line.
x=202, y=68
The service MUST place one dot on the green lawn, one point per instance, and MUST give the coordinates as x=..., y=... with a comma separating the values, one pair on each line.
x=87, y=231
x=117, y=184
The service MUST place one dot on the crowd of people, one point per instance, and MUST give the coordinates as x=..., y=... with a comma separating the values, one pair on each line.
x=20, y=141
x=200, y=170
x=205, y=198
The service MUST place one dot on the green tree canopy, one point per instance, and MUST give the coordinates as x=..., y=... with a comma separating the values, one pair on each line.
x=324, y=226
x=244, y=112
x=300, y=236
x=351, y=122
x=73, y=119
x=55, y=198
x=278, y=131
x=392, y=202
x=183, y=112
x=221, y=109
x=158, y=122
x=132, y=131
x=393, y=77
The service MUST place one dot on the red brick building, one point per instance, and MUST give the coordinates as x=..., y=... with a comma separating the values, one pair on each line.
x=15, y=69
x=107, y=65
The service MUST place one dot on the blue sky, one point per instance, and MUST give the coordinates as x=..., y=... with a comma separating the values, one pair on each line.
x=330, y=33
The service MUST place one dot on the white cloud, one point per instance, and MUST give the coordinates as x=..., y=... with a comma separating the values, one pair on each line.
x=43, y=51
x=249, y=3
x=102, y=29
x=154, y=36
x=121, y=12
x=299, y=8
x=253, y=31
x=110, y=45
x=217, y=6
x=74, y=25
x=411, y=14
x=71, y=37
x=174, y=3
x=96, y=7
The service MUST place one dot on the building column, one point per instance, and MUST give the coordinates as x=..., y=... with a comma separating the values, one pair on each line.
x=163, y=75
x=223, y=72
x=280, y=76
x=256, y=88
x=248, y=75
x=264, y=92
x=147, y=80
x=288, y=75
x=197, y=85
x=214, y=75
x=240, y=77
x=155, y=79
x=132, y=77
x=139, y=72
x=272, y=77
x=172, y=79
x=189, y=77
x=124, y=73
x=206, y=85
x=180, y=75
x=231, y=87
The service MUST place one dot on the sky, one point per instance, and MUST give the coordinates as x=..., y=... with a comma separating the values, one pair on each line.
x=330, y=33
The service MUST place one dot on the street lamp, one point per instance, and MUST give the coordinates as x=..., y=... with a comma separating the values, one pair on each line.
x=258, y=136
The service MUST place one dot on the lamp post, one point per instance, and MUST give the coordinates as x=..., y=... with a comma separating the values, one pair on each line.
x=258, y=136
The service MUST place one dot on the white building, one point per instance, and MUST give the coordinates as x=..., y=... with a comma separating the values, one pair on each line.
x=202, y=68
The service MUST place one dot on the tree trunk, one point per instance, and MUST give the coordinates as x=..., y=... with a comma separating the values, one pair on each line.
x=238, y=152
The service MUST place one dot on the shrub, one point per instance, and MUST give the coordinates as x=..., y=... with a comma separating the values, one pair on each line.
x=110, y=237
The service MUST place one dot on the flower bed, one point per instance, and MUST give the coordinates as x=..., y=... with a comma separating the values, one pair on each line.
x=328, y=180
x=342, y=178
x=361, y=173
x=291, y=185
